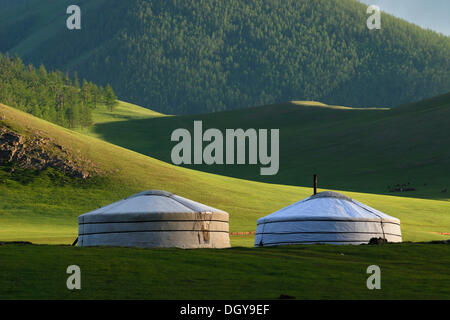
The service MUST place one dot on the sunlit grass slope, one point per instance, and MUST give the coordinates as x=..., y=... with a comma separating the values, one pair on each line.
x=123, y=111
x=44, y=212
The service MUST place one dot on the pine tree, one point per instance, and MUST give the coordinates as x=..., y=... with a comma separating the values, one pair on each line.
x=110, y=98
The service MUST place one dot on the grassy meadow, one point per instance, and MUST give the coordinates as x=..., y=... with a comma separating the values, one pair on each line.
x=43, y=208
x=408, y=271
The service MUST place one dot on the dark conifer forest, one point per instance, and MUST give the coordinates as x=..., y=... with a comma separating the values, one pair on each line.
x=52, y=96
x=193, y=56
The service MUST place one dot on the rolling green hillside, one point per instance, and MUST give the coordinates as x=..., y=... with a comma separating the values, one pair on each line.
x=197, y=56
x=43, y=206
x=364, y=150
x=123, y=112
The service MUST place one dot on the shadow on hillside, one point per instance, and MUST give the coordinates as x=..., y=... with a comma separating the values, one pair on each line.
x=351, y=166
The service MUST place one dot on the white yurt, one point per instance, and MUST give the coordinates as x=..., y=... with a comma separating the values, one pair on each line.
x=155, y=219
x=326, y=217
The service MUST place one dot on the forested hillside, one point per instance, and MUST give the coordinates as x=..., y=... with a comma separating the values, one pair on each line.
x=195, y=56
x=52, y=96
x=7, y=3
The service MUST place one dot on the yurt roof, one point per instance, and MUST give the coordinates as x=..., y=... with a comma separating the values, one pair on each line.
x=328, y=205
x=154, y=201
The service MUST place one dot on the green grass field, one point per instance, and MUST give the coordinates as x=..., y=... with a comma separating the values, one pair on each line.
x=408, y=271
x=44, y=211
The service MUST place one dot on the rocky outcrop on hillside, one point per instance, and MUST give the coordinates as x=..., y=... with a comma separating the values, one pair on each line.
x=38, y=153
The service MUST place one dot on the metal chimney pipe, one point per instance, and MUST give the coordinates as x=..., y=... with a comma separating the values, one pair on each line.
x=315, y=184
